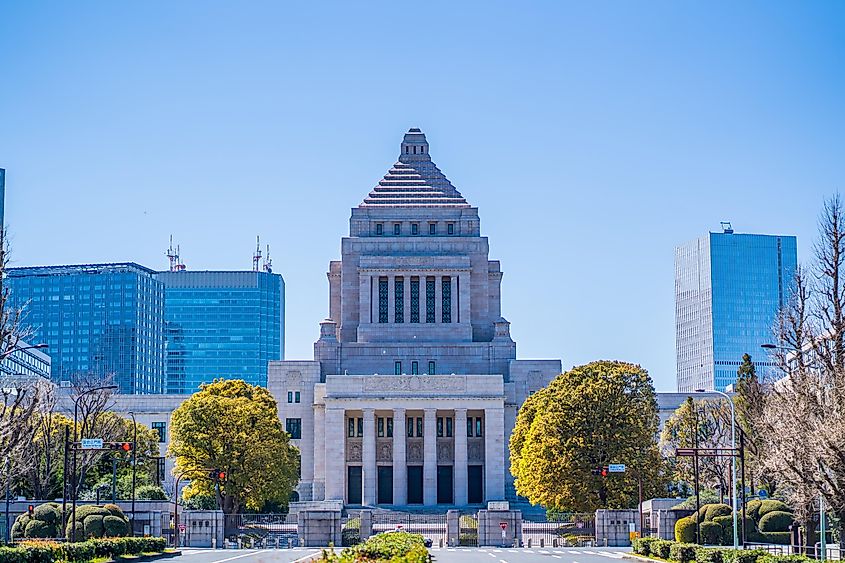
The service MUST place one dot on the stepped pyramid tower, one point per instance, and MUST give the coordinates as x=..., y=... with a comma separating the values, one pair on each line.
x=414, y=386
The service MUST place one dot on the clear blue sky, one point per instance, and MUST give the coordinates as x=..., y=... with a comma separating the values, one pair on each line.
x=593, y=137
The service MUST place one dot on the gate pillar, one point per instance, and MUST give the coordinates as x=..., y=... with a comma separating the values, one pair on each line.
x=453, y=527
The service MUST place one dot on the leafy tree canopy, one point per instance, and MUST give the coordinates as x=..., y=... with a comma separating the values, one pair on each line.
x=594, y=415
x=232, y=426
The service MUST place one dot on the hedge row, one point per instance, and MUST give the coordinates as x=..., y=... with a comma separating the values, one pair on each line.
x=396, y=547
x=690, y=552
x=79, y=552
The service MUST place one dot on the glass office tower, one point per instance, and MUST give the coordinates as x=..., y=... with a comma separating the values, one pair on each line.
x=102, y=320
x=728, y=291
x=221, y=325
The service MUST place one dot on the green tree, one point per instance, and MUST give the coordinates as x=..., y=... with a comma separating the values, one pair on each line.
x=749, y=401
x=234, y=427
x=594, y=415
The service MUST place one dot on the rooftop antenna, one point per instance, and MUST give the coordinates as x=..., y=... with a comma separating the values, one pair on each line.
x=176, y=264
x=727, y=228
x=256, y=258
x=268, y=262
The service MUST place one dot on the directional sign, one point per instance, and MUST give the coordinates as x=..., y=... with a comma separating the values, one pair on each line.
x=92, y=443
x=616, y=468
x=707, y=452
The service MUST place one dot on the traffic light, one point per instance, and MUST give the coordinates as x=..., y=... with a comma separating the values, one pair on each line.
x=30, y=509
x=221, y=475
x=121, y=446
x=602, y=471
x=217, y=475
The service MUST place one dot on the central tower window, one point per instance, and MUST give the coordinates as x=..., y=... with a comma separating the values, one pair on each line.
x=446, y=290
x=415, y=299
x=430, y=316
x=399, y=299
x=382, y=299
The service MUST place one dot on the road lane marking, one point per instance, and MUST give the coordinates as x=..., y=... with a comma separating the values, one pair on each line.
x=491, y=555
x=502, y=561
x=236, y=557
x=571, y=551
x=557, y=556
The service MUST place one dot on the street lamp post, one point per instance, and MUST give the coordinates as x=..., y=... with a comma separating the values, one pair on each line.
x=733, y=462
x=75, y=439
x=134, y=464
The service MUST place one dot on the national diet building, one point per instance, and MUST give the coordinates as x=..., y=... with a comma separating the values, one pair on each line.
x=414, y=387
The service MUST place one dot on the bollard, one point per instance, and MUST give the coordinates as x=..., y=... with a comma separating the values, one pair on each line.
x=554, y=542
x=542, y=543
x=240, y=543
x=529, y=543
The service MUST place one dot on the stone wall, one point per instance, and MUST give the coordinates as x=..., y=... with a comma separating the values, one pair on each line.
x=613, y=527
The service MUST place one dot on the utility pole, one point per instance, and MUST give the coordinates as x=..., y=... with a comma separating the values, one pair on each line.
x=114, y=478
x=697, y=487
x=8, y=494
x=64, y=480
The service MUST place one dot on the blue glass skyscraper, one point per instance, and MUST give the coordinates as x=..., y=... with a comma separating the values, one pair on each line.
x=102, y=320
x=728, y=290
x=221, y=325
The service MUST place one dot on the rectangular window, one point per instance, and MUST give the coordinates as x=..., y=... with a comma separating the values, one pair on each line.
x=478, y=426
x=397, y=228
x=432, y=368
x=429, y=300
x=432, y=228
x=293, y=426
x=382, y=299
x=410, y=427
x=449, y=427
x=161, y=466
x=469, y=427
x=379, y=229
x=397, y=368
x=380, y=425
x=450, y=228
x=439, y=426
x=415, y=228
x=161, y=428
x=399, y=299
x=350, y=427
x=360, y=427
x=415, y=368
x=290, y=396
x=390, y=427
x=415, y=300
x=446, y=291
x=296, y=397
x=419, y=427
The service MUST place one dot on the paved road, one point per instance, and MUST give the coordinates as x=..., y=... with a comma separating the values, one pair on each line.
x=444, y=555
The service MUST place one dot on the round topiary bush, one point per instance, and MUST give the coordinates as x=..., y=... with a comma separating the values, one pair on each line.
x=685, y=530
x=49, y=512
x=752, y=509
x=727, y=525
x=114, y=510
x=775, y=521
x=93, y=526
x=712, y=511
x=114, y=527
x=711, y=533
x=39, y=529
x=767, y=506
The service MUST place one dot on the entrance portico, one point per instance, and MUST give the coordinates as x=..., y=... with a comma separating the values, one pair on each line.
x=444, y=431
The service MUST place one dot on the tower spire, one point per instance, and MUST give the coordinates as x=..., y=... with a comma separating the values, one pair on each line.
x=256, y=258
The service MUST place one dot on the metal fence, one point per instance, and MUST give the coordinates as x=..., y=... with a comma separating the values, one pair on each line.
x=573, y=530
x=262, y=530
x=432, y=526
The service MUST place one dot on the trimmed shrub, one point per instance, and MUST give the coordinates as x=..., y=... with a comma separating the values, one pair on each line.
x=114, y=527
x=747, y=555
x=784, y=559
x=662, y=548
x=709, y=555
x=93, y=526
x=769, y=505
x=150, y=492
x=114, y=510
x=39, y=551
x=49, y=512
x=86, y=510
x=394, y=546
x=752, y=509
x=682, y=552
x=643, y=546
x=711, y=533
x=13, y=555
x=80, y=531
x=711, y=511
x=685, y=530
x=727, y=525
x=782, y=538
x=78, y=552
x=775, y=521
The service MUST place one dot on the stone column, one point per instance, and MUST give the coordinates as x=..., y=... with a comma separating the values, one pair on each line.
x=430, y=457
x=460, y=468
x=365, y=308
x=318, y=487
x=494, y=453
x=335, y=454
x=368, y=457
x=400, y=465
x=465, y=297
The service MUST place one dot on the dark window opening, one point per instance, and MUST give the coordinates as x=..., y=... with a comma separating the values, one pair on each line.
x=419, y=427
x=380, y=425
x=449, y=430
x=360, y=427
x=390, y=427
x=446, y=292
x=450, y=228
x=382, y=299
x=399, y=299
x=379, y=229
x=397, y=229
x=415, y=229
x=415, y=300
x=432, y=368
x=415, y=368
x=439, y=426
x=430, y=316
x=397, y=368
x=293, y=426
x=410, y=427
x=432, y=228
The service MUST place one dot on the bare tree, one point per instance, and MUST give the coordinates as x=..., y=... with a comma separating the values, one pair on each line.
x=91, y=406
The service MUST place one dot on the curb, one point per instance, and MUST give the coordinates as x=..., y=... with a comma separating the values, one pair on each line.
x=139, y=558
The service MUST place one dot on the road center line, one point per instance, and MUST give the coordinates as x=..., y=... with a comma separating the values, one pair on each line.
x=236, y=557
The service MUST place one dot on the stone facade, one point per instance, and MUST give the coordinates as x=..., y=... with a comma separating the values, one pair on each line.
x=415, y=385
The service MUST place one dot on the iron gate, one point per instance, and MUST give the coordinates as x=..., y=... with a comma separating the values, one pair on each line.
x=273, y=531
x=432, y=526
x=570, y=530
